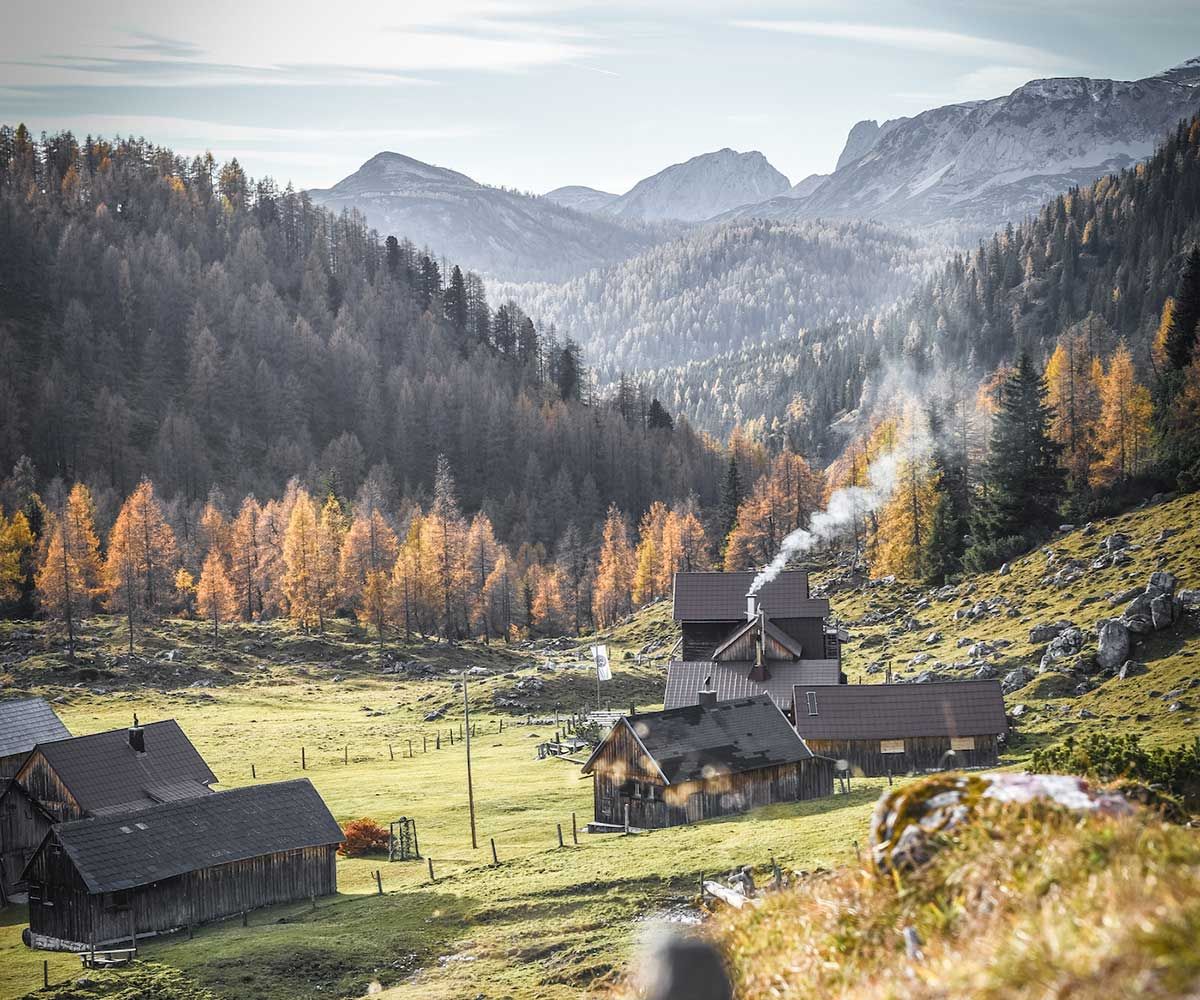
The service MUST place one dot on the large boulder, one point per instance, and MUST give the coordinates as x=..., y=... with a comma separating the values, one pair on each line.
x=1114, y=645
x=1162, y=582
x=1114, y=542
x=1189, y=599
x=1162, y=610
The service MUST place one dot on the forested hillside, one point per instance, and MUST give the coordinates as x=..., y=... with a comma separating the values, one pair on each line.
x=1103, y=258
x=176, y=320
x=728, y=286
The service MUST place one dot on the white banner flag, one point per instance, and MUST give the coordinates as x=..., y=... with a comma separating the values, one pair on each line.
x=600, y=655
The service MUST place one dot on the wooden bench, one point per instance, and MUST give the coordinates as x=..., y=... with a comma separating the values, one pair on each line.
x=108, y=958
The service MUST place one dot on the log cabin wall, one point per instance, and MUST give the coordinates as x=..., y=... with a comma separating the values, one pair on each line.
x=44, y=786
x=621, y=760
x=23, y=826
x=926, y=753
x=63, y=910
x=11, y=764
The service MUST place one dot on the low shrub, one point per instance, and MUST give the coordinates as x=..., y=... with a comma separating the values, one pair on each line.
x=363, y=836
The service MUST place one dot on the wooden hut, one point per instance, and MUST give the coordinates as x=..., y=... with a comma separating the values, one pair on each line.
x=682, y=765
x=896, y=728
x=24, y=723
x=115, y=878
x=743, y=645
x=109, y=772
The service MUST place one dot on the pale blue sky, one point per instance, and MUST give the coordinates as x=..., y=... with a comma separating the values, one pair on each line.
x=532, y=94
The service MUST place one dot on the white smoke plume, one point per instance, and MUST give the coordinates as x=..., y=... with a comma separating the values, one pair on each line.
x=851, y=502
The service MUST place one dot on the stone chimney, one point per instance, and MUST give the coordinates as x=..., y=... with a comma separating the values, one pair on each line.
x=708, y=696
x=137, y=736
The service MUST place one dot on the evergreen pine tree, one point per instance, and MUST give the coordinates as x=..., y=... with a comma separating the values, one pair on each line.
x=1023, y=482
x=732, y=495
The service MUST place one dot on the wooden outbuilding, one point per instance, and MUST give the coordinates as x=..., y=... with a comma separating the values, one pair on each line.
x=742, y=645
x=24, y=723
x=880, y=729
x=95, y=775
x=112, y=879
x=687, y=764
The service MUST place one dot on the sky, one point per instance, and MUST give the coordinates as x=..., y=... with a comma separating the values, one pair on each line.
x=532, y=94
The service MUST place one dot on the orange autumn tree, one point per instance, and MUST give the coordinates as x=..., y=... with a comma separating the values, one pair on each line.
x=648, y=581
x=300, y=574
x=782, y=500
x=483, y=552
x=331, y=530
x=16, y=544
x=247, y=557
x=852, y=468
x=62, y=588
x=368, y=554
x=1071, y=375
x=140, y=569
x=1123, y=428
x=906, y=520
x=216, y=598
x=613, y=593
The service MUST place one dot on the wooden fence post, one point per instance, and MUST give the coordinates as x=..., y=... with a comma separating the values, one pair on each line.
x=45, y=974
x=431, y=878
x=391, y=753
x=424, y=744
x=574, y=829
x=303, y=763
x=560, y=840
x=437, y=740
x=245, y=919
x=345, y=755
x=379, y=881
x=495, y=858
x=253, y=773
x=410, y=749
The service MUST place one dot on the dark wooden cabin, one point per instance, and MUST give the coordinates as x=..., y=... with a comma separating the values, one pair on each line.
x=683, y=765
x=897, y=728
x=24, y=723
x=104, y=881
x=110, y=772
x=741, y=645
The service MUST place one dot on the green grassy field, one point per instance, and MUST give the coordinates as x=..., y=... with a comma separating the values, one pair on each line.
x=547, y=922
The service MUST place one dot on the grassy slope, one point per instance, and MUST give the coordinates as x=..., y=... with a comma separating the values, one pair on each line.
x=547, y=922
x=1171, y=656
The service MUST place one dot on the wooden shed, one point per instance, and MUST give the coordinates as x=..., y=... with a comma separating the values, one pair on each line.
x=113, y=771
x=682, y=765
x=897, y=728
x=111, y=879
x=24, y=723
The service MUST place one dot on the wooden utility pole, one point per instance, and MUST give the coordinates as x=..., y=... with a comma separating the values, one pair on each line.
x=470, y=789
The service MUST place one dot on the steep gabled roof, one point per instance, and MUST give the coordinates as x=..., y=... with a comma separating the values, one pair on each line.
x=114, y=853
x=897, y=711
x=104, y=773
x=731, y=737
x=731, y=679
x=721, y=597
x=26, y=722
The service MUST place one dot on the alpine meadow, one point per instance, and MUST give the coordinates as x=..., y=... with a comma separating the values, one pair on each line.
x=469, y=532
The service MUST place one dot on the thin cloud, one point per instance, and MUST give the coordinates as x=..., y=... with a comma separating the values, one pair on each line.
x=951, y=43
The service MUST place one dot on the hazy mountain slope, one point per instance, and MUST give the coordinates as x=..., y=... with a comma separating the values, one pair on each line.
x=1110, y=256
x=702, y=187
x=488, y=229
x=581, y=198
x=984, y=163
x=724, y=286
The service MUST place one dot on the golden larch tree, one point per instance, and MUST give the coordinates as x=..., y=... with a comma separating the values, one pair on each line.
x=16, y=546
x=246, y=557
x=483, y=551
x=62, y=588
x=216, y=597
x=1123, y=440
x=299, y=580
x=140, y=568
x=369, y=549
x=613, y=594
x=906, y=520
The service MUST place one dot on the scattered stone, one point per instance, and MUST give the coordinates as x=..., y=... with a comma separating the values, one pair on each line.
x=1015, y=679
x=933, y=637
x=1005, y=569
x=1085, y=713
x=985, y=672
x=1114, y=542
x=1046, y=632
x=1019, y=710
x=1067, y=643
x=1190, y=599
x=1064, y=528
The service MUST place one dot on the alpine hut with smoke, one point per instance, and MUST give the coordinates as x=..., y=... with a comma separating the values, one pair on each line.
x=740, y=643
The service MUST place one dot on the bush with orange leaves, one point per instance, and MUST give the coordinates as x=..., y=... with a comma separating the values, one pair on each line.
x=363, y=836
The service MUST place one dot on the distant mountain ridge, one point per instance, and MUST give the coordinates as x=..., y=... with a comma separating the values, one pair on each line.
x=986, y=163
x=581, y=198
x=700, y=188
x=492, y=230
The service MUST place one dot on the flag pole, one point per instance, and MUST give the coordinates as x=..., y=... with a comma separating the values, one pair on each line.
x=470, y=789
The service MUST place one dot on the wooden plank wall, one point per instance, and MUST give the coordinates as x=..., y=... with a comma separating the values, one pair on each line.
x=927, y=753
x=22, y=828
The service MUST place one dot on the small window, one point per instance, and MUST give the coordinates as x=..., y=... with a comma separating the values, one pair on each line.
x=811, y=698
x=891, y=746
x=962, y=742
x=141, y=826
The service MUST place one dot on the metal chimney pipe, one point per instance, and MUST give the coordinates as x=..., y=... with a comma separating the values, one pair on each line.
x=751, y=606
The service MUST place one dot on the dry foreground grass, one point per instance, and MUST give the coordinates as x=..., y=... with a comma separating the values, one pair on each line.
x=547, y=922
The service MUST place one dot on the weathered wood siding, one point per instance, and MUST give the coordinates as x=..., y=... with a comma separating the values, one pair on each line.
x=22, y=829
x=809, y=631
x=625, y=775
x=11, y=764
x=61, y=908
x=43, y=784
x=926, y=753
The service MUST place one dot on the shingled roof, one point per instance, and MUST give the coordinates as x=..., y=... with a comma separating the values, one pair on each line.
x=122, y=852
x=721, y=597
x=104, y=773
x=896, y=711
x=731, y=679
x=26, y=722
x=730, y=737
